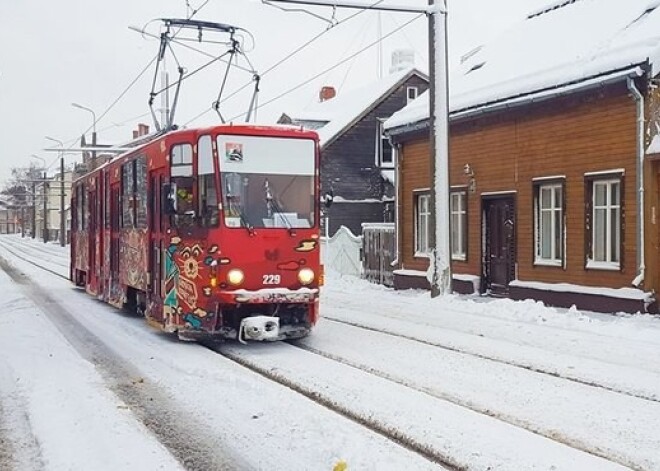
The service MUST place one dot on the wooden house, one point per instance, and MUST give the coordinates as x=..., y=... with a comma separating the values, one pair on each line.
x=554, y=179
x=357, y=163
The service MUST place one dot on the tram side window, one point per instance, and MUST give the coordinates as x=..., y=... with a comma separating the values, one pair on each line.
x=82, y=205
x=127, y=196
x=206, y=189
x=134, y=193
x=141, y=192
x=106, y=198
x=184, y=183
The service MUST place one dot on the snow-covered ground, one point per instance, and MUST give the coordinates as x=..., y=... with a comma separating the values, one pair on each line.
x=388, y=380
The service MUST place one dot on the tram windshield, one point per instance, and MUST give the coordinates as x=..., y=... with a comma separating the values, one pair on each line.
x=267, y=181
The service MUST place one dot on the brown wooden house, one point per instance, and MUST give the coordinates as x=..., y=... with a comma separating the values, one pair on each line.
x=357, y=163
x=554, y=182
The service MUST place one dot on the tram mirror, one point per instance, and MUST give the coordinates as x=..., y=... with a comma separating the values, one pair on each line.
x=169, y=198
x=329, y=197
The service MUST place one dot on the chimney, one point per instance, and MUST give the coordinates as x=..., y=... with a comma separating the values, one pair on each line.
x=135, y=134
x=327, y=93
x=402, y=59
x=143, y=129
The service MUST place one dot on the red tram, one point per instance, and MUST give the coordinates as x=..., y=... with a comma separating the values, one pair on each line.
x=207, y=232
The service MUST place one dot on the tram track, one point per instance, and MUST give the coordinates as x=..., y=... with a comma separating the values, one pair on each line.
x=149, y=403
x=395, y=432
x=529, y=367
x=389, y=432
x=11, y=248
x=599, y=341
x=470, y=405
x=382, y=428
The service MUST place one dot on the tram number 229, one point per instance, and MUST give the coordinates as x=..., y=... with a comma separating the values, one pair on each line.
x=271, y=279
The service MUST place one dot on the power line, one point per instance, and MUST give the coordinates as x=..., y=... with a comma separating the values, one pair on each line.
x=294, y=88
x=285, y=58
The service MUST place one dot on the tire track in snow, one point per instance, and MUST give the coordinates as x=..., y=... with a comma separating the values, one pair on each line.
x=6, y=448
x=192, y=447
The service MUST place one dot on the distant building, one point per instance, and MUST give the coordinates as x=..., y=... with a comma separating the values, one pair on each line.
x=357, y=163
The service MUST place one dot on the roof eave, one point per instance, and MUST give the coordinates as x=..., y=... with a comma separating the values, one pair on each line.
x=536, y=96
x=373, y=105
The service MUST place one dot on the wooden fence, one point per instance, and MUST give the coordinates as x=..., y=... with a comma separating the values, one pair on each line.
x=378, y=252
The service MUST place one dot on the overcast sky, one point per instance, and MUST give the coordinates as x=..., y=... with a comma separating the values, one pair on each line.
x=53, y=53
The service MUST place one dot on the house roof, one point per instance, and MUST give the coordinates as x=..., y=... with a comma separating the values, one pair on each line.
x=565, y=43
x=334, y=116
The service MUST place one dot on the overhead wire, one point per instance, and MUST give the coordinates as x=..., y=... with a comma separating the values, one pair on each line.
x=127, y=89
x=288, y=56
x=301, y=84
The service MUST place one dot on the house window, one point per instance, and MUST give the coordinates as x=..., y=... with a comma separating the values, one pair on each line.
x=422, y=223
x=411, y=94
x=549, y=224
x=604, y=223
x=458, y=225
x=385, y=157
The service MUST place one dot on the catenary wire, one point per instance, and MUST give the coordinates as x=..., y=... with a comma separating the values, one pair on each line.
x=301, y=84
x=285, y=58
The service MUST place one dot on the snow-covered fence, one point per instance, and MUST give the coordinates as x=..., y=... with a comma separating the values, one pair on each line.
x=379, y=248
x=341, y=252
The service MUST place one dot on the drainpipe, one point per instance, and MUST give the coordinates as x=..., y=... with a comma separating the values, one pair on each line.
x=396, y=148
x=639, y=99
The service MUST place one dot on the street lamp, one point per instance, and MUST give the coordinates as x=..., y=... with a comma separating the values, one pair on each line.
x=76, y=105
x=35, y=156
x=62, y=213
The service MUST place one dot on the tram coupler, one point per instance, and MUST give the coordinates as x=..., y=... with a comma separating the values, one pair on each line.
x=259, y=328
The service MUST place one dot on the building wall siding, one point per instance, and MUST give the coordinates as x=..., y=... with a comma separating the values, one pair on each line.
x=569, y=136
x=348, y=164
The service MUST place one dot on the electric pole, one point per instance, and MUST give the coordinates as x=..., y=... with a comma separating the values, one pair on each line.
x=439, y=273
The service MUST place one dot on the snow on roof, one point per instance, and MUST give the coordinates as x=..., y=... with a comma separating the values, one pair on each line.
x=342, y=110
x=565, y=42
x=654, y=146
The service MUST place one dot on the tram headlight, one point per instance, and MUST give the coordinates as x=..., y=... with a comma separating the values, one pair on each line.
x=235, y=276
x=306, y=276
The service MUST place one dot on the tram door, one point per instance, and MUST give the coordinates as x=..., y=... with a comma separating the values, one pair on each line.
x=114, y=239
x=156, y=244
x=92, y=273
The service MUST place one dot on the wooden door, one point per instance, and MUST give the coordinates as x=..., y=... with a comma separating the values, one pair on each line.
x=500, y=249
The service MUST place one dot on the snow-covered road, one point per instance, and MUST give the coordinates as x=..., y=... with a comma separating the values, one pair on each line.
x=388, y=380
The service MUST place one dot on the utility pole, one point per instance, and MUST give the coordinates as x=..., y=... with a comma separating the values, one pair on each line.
x=440, y=269
x=34, y=210
x=62, y=211
x=439, y=273
x=45, y=228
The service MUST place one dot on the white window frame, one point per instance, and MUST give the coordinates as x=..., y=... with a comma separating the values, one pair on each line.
x=612, y=252
x=381, y=139
x=557, y=241
x=459, y=214
x=422, y=240
x=415, y=92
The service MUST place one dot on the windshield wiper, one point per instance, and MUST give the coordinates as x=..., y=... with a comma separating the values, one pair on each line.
x=239, y=209
x=272, y=205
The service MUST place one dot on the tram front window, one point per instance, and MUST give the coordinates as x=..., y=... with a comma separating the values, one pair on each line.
x=267, y=182
x=266, y=200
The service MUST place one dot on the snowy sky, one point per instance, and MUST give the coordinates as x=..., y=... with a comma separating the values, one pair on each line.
x=56, y=53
